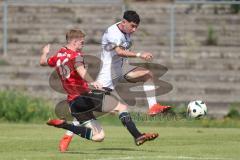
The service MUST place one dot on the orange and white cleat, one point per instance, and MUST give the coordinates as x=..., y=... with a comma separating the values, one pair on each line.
x=145, y=137
x=157, y=108
x=64, y=142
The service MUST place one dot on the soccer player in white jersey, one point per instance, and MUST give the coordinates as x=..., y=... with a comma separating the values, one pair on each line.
x=116, y=43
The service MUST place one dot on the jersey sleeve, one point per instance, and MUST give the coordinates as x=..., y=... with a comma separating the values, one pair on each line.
x=52, y=61
x=78, y=61
x=113, y=38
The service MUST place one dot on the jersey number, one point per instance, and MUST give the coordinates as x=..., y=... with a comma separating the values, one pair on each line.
x=64, y=70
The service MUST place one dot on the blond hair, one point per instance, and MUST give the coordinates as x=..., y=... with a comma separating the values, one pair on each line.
x=74, y=34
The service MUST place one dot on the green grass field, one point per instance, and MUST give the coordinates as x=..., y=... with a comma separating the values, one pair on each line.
x=40, y=142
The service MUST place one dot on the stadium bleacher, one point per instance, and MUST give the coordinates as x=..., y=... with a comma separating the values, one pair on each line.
x=199, y=69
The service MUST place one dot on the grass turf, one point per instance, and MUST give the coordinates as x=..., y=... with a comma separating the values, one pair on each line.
x=40, y=142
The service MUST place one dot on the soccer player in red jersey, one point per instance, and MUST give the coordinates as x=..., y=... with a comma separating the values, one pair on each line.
x=69, y=64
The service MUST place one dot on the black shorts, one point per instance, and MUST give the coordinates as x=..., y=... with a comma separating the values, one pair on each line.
x=82, y=107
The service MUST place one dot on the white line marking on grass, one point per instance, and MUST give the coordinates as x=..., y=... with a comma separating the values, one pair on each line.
x=162, y=157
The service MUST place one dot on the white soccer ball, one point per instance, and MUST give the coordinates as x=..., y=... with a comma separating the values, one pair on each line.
x=196, y=109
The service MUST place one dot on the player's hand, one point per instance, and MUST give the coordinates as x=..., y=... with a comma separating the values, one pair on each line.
x=96, y=85
x=46, y=49
x=146, y=56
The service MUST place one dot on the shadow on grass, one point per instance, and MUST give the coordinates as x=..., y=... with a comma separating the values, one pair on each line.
x=110, y=149
x=117, y=149
x=125, y=149
x=76, y=152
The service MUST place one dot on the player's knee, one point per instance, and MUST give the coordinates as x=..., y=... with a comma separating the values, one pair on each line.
x=148, y=74
x=97, y=131
x=122, y=107
x=98, y=137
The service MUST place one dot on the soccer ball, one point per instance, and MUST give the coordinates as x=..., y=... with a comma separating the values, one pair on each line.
x=196, y=109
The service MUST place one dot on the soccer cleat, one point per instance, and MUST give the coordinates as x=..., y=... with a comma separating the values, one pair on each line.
x=145, y=137
x=157, y=108
x=56, y=122
x=64, y=142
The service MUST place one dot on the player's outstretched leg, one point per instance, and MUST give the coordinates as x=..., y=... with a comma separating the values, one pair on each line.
x=139, y=137
x=67, y=138
x=84, y=132
x=154, y=107
x=143, y=75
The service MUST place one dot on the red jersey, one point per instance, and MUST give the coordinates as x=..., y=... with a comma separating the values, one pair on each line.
x=65, y=61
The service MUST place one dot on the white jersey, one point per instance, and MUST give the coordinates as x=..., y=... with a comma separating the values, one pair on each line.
x=111, y=62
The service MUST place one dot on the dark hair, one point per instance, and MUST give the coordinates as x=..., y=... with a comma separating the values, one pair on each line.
x=131, y=16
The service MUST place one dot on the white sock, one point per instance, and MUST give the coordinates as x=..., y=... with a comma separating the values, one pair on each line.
x=75, y=122
x=150, y=98
x=69, y=133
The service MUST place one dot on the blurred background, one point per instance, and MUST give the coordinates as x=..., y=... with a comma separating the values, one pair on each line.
x=198, y=41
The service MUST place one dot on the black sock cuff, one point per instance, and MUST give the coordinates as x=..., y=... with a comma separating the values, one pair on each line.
x=123, y=115
x=88, y=134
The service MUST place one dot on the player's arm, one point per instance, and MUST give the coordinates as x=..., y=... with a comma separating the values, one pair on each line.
x=83, y=73
x=43, y=58
x=125, y=53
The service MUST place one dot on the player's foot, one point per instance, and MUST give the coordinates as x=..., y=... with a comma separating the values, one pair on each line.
x=56, y=122
x=157, y=108
x=145, y=137
x=64, y=142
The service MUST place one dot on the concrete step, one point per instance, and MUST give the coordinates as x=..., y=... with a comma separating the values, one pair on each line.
x=180, y=8
x=208, y=88
x=35, y=73
x=60, y=19
x=190, y=27
x=25, y=83
x=195, y=53
x=202, y=76
x=60, y=7
x=86, y=28
x=23, y=73
x=145, y=30
x=214, y=98
x=159, y=34
x=27, y=61
x=45, y=38
x=197, y=18
x=34, y=50
x=173, y=75
x=35, y=89
x=16, y=48
x=204, y=63
x=197, y=64
x=49, y=29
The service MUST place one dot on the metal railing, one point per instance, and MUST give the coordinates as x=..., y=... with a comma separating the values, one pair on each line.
x=5, y=28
